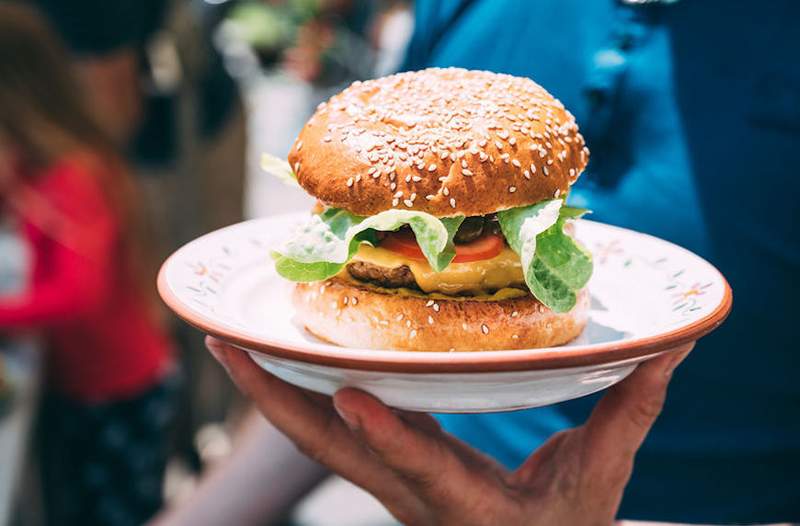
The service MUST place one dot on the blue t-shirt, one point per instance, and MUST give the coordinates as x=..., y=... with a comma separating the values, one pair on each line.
x=692, y=113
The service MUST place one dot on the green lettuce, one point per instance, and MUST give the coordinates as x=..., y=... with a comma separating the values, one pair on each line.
x=555, y=266
x=279, y=168
x=320, y=248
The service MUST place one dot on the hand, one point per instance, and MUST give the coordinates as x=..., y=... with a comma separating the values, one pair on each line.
x=424, y=476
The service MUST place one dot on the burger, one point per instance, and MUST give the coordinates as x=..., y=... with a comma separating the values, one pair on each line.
x=441, y=222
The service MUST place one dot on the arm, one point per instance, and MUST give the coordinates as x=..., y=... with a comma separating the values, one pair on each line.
x=75, y=233
x=407, y=462
x=261, y=480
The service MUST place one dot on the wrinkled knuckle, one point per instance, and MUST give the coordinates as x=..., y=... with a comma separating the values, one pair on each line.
x=646, y=411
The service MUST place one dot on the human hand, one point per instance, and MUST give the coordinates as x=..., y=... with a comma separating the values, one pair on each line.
x=424, y=476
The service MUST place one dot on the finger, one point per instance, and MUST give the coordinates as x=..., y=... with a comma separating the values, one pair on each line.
x=623, y=417
x=425, y=461
x=315, y=429
x=472, y=458
x=422, y=421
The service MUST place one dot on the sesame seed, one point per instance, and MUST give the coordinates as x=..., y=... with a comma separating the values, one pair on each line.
x=327, y=138
x=430, y=197
x=467, y=172
x=408, y=323
x=393, y=187
x=430, y=303
x=549, y=162
x=452, y=202
x=350, y=182
x=408, y=202
x=413, y=196
x=533, y=168
x=355, y=301
x=395, y=201
x=297, y=167
x=557, y=192
x=512, y=141
x=416, y=178
x=398, y=317
x=299, y=146
x=484, y=328
x=464, y=326
x=463, y=163
x=358, y=178
x=398, y=194
x=432, y=167
x=572, y=172
x=503, y=134
x=430, y=320
x=545, y=171
x=516, y=163
x=436, y=307
x=413, y=333
x=526, y=174
x=515, y=336
x=446, y=191
x=483, y=156
x=512, y=189
x=498, y=144
x=408, y=179
x=482, y=143
x=443, y=155
x=514, y=314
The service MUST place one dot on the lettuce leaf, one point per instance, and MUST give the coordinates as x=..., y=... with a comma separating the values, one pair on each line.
x=320, y=248
x=554, y=265
x=279, y=168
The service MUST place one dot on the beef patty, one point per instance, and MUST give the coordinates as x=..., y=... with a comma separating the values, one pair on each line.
x=391, y=278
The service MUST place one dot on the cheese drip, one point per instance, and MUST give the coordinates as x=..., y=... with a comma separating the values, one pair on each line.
x=475, y=277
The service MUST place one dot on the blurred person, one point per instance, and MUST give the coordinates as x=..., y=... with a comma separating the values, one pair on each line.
x=694, y=130
x=160, y=89
x=88, y=293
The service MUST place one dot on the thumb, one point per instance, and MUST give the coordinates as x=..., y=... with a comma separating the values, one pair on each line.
x=623, y=417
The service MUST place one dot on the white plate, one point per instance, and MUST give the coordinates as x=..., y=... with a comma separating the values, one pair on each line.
x=648, y=296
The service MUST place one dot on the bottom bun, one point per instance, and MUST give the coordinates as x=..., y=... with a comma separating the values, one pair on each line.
x=355, y=314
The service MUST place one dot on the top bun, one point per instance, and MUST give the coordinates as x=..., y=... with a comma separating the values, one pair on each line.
x=443, y=141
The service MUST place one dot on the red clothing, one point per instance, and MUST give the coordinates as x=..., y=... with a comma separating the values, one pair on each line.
x=104, y=341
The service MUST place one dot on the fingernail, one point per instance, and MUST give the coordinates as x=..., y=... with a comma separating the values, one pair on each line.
x=351, y=419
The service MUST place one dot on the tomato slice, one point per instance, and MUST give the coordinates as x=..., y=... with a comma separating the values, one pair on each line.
x=485, y=247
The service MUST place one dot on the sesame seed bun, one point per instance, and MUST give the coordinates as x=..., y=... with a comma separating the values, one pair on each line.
x=443, y=141
x=360, y=315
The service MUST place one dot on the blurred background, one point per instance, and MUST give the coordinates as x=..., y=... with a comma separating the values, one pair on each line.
x=129, y=127
x=187, y=94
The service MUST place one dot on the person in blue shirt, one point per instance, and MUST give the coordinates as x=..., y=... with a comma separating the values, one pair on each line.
x=691, y=110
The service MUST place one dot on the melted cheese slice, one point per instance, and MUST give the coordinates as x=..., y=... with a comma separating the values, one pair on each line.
x=475, y=277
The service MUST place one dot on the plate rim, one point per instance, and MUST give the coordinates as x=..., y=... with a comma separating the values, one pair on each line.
x=440, y=362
